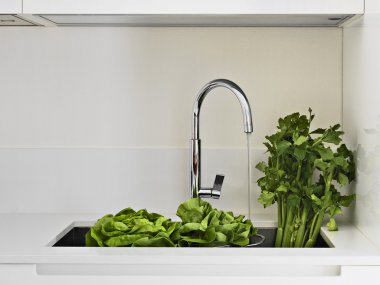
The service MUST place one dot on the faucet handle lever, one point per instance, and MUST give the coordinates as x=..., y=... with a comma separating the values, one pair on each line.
x=213, y=192
x=217, y=188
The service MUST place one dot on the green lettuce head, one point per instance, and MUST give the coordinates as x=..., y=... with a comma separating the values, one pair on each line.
x=130, y=228
x=204, y=226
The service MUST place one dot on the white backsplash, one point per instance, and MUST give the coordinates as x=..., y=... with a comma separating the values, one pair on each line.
x=97, y=119
x=107, y=180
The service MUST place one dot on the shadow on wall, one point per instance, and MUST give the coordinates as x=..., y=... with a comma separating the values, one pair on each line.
x=367, y=185
x=368, y=166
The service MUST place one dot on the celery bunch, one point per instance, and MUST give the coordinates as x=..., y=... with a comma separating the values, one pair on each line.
x=302, y=175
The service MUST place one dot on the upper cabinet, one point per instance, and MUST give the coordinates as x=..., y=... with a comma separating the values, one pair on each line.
x=191, y=12
x=10, y=6
x=9, y=10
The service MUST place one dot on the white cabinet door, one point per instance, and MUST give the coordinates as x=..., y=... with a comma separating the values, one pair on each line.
x=242, y=7
x=27, y=274
x=10, y=6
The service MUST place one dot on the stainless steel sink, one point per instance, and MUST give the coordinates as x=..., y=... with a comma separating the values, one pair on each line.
x=76, y=238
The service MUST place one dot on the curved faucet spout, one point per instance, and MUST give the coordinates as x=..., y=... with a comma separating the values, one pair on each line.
x=247, y=115
x=195, y=143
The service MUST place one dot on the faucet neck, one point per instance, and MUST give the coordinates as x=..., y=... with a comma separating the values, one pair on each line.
x=247, y=115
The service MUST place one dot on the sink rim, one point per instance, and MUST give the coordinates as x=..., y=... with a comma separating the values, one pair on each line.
x=88, y=224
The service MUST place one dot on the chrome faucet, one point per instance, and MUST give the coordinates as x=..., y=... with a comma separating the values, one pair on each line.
x=195, y=143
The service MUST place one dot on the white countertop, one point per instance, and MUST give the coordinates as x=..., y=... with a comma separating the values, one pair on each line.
x=25, y=239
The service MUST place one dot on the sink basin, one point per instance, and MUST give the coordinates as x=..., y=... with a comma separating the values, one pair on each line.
x=76, y=238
